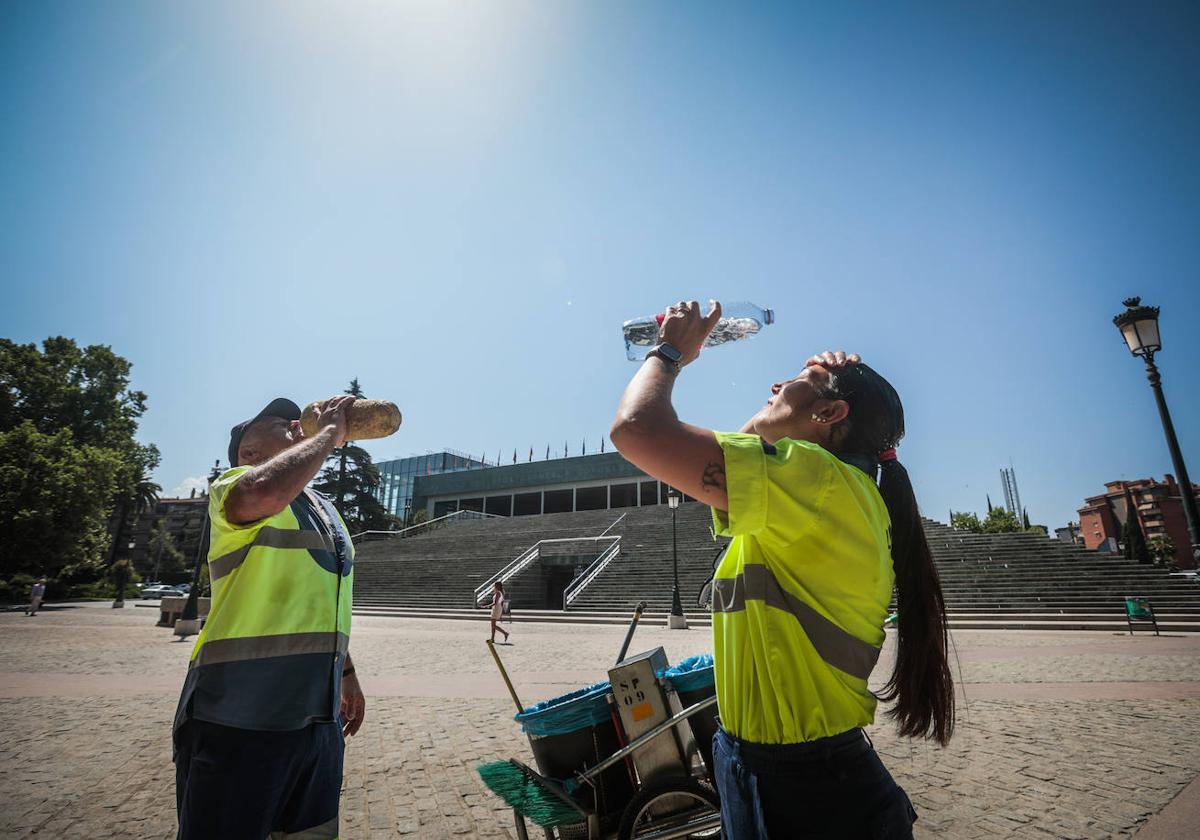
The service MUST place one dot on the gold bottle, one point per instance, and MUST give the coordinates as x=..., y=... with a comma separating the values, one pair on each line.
x=367, y=419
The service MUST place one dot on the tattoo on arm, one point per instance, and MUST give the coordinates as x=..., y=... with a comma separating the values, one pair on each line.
x=714, y=475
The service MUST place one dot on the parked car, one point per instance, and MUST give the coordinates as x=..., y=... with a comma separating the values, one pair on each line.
x=160, y=592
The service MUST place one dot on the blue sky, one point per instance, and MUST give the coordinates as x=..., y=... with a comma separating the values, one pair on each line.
x=460, y=203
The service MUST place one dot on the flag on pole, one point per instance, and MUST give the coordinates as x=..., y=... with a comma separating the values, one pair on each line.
x=602, y=444
x=547, y=452
x=564, y=449
x=531, y=454
x=514, y=455
x=583, y=447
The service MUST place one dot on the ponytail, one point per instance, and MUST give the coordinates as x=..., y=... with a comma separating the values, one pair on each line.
x=920, y=684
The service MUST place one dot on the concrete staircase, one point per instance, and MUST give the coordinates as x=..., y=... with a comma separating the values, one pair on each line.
x=1026, y=581
x=440, y=570
x=991, y=581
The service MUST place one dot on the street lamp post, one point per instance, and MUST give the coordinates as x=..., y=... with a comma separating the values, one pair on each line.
x=1139, y=327
x=676, y=620
x=188, y=623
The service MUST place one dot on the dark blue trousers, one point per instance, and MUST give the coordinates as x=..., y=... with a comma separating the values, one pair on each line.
x=242, y=783
x=834, y=787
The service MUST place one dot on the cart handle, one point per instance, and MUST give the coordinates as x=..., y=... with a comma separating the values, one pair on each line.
x=590, y=774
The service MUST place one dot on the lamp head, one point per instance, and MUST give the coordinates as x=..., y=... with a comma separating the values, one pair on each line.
x=673, y=499
x=1139, y=327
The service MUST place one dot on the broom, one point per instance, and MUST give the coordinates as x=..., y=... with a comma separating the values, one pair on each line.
x=531, y=794
x=526, y=792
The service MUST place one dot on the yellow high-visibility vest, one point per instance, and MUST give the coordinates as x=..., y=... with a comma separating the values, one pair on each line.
x=271, y=653
x=800, y=598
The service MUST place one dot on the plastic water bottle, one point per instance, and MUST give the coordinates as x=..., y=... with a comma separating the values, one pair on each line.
x=738, y=320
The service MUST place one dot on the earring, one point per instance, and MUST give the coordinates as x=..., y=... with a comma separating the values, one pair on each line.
x=817, y=419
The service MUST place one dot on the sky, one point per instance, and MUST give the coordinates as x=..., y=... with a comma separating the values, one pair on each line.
x=460, y=203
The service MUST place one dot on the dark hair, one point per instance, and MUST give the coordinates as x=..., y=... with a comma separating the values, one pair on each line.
x=921, y=683
x=500, y=584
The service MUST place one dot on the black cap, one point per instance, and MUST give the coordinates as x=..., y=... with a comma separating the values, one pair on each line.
x=280, y=407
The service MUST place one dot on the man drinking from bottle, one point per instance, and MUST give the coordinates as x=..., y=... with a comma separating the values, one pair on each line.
x=271, y=691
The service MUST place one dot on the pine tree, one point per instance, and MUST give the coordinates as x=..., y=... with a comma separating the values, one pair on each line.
x=1135, y=542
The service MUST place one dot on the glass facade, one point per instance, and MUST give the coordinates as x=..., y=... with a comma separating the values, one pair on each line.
x=396, y=476
x=561, y=500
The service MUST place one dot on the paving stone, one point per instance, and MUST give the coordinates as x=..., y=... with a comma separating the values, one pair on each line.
x=91, y=755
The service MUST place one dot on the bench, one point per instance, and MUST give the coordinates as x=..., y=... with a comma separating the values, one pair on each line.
x=1139, y=610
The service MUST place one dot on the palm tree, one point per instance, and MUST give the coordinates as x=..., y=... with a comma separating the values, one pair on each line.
x=143, y=496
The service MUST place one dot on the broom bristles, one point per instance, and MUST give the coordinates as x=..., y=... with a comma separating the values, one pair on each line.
x=525, y=795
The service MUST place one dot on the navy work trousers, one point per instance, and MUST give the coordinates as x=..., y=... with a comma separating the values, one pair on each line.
x=834, y=787
x=243, y=783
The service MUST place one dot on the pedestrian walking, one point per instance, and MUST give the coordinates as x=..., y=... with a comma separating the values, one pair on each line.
x=498, y=602
x=36, y=594
x=271, y=691
x=801, y=597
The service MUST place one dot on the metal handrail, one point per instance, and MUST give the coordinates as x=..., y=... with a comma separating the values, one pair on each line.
x=523, y=559
x=589, y=574
x=477, y=513
x=616, y=522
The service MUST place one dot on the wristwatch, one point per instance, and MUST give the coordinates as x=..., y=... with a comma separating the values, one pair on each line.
x=668, y=354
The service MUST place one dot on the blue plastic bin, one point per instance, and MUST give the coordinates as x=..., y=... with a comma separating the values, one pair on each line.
x=571, y=733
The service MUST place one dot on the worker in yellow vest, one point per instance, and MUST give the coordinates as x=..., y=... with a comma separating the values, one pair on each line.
x=801, y=596
x=271, y=691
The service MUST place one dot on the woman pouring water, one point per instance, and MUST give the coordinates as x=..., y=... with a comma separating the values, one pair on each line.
x=801, y=596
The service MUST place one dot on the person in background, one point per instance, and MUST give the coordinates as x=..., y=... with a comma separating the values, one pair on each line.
x=36, y=594
x=801, y=597
x=271, y=692
x=498, y=610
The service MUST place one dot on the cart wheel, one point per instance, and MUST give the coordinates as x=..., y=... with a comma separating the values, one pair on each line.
x=669, y=804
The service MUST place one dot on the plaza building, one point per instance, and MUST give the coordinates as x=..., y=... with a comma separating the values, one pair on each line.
x=1158, y=507
x=183, y=520
x=562, y=485
x=396, y=476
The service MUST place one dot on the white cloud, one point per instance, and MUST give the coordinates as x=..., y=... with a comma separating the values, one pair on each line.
x=184, y=490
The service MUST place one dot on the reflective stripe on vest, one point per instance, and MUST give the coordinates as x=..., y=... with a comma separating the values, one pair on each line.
x=264, y=647
x=268, y=537
x=837, y=647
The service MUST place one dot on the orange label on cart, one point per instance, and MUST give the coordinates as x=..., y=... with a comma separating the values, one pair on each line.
x=641, y=711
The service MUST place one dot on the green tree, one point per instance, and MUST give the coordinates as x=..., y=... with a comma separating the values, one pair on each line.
x=965, y=521
x=54, y=498
x=1001, y=521
x=64, y=386
x=1162, y=549
x=1132, y=536
x=350, y=479
x=68, y=455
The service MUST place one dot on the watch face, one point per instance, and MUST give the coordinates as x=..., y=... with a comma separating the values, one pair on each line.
x=670, y=352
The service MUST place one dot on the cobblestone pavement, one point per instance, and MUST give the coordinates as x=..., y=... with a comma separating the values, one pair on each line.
x=1071, y=735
